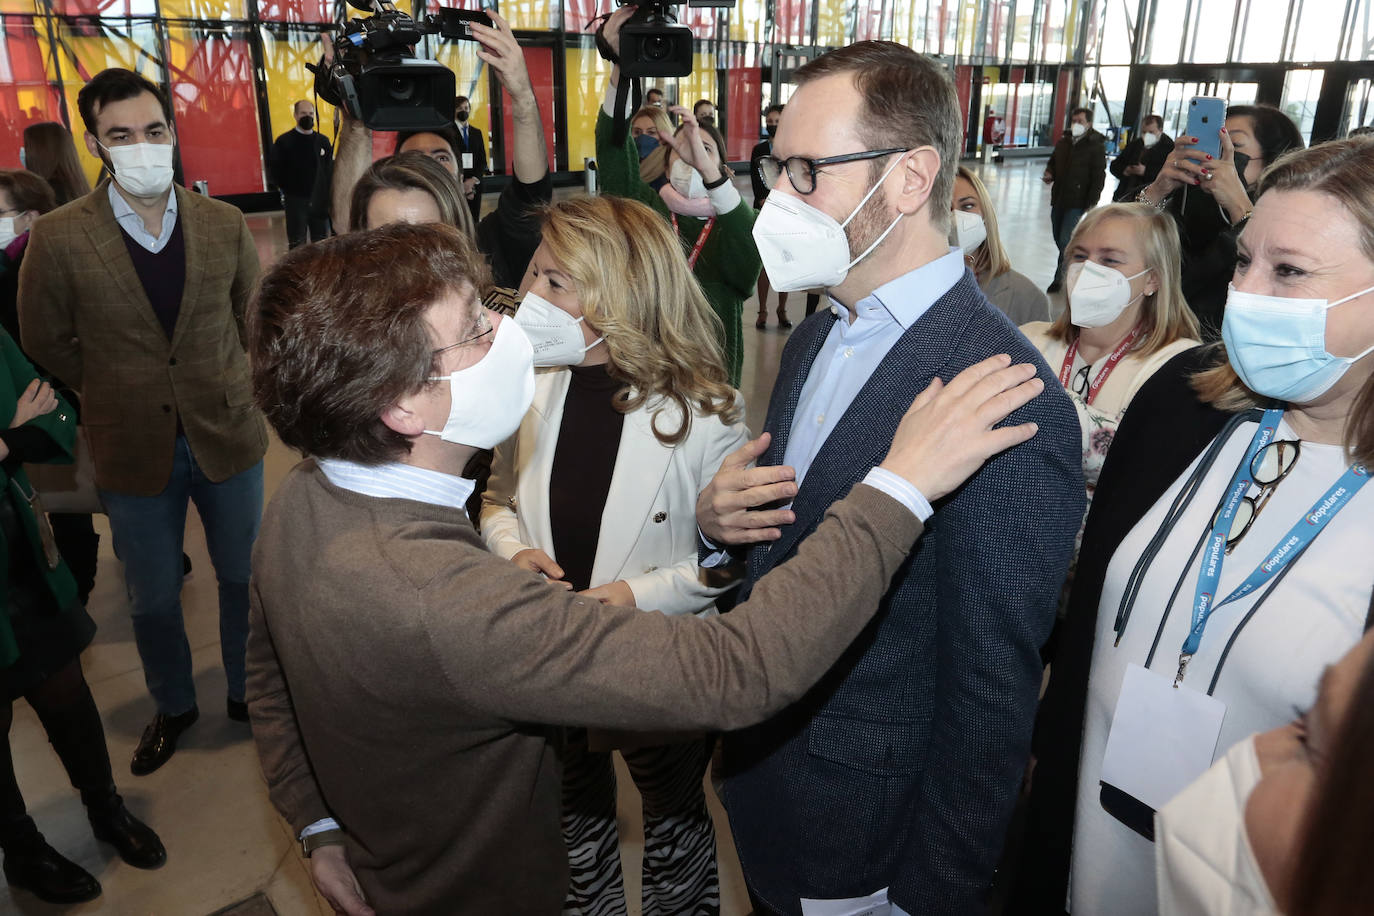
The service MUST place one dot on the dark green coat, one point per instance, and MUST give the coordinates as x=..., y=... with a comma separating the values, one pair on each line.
x=60, y=424
x=728, y=266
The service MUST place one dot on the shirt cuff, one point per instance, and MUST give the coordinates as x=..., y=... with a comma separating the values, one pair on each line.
x=320, y=826
x=713, y=555
x=902, y=490
x=724, y=198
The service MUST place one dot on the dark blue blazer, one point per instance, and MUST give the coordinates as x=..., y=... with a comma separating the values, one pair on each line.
x=901, y=767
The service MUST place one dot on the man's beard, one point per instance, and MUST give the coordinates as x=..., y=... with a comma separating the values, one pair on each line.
x=868, y=224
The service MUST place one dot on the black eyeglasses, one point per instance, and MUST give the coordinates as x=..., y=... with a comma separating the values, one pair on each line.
x=802, y=172
x=1268, y=468
x=1081, y=383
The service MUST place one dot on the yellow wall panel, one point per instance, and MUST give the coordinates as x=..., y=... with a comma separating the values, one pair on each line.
x=748, y=20
x=284, y=60
x=470, y=78
x=586, y=81
x=832, y=25
x=531, y=14
x=83, y=56
x=202, y=9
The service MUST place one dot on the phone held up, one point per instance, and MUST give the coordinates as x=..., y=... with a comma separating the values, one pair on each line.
x=1206, y=118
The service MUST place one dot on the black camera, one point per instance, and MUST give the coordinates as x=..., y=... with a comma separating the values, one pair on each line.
x=376, y=76
x=653, y=44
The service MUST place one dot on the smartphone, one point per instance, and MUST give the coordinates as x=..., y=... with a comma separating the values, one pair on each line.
x=458, y=23
x=1207, y=116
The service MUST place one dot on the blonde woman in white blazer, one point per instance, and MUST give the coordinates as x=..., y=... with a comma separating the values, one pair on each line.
x=632, y=416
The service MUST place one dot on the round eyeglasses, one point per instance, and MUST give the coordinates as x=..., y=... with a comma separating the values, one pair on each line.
x=1268, y=468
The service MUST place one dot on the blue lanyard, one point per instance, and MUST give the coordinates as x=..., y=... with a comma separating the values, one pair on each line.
x=1285, y=551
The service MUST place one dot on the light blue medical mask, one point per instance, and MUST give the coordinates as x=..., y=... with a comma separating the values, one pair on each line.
x=1278, y=346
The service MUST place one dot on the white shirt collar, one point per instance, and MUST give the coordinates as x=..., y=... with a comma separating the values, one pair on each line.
x=395, y=480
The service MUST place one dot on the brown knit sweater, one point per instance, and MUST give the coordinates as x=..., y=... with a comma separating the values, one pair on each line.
x=395, y=666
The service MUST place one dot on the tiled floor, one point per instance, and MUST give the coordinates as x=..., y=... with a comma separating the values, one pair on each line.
x=225, y=843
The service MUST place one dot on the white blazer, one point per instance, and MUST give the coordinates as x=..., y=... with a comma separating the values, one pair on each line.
x=648, y=528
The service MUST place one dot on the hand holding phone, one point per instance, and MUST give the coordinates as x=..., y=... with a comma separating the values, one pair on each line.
x=1206, y=118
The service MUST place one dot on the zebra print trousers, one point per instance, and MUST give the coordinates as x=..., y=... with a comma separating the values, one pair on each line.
x=679, y=871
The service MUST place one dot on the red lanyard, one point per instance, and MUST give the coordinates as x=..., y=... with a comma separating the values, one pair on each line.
x=1066, y=370
x=701, y=241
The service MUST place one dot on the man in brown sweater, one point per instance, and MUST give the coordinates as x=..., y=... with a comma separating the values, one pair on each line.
x=396, y=668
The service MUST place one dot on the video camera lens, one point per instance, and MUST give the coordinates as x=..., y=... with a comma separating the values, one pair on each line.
x=656, y=48
x=401, y=89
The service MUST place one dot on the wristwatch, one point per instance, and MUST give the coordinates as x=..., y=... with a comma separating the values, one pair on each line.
x=313, y=842
x=712, y=185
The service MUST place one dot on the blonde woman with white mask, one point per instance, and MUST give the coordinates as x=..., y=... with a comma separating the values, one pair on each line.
x=632, y=416
x=974, y=231
x=1125, y=318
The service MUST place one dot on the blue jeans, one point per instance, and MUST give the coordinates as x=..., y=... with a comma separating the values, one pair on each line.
x=1062, y=223
x=148, y=533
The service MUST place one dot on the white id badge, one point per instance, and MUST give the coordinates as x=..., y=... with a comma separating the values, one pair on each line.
x=1163, y=737
x=874, y=904
x=467, y=160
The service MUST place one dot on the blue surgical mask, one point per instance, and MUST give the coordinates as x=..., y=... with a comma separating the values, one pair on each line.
x=1278, y=346
x=647, y=144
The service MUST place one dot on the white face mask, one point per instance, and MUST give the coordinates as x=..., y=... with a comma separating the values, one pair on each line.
x=7, y=231
x=1078, y=130
x=491, y=396
x=142, y=169
x=802, y=247
x=1149, y=139
x=1097, y=295
x=686, y=180
x=1203, y=859
x=556, y=336
x=969, y=231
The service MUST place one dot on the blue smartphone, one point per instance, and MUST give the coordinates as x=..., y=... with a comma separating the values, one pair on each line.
x=1207, y=116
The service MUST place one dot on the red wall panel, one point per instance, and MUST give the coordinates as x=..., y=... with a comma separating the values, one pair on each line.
x=25, y=96
x=539, y=61
x=216, y=112
x=745, y=94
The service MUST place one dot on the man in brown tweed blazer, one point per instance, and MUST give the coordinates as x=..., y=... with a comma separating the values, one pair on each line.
x=134, y=296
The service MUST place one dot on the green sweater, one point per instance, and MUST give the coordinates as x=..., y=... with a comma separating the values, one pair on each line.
x=728, y=266
x=15, y=376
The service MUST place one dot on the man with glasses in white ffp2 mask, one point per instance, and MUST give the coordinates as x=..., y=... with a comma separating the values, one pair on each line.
x=861, y=175
x=156, y=279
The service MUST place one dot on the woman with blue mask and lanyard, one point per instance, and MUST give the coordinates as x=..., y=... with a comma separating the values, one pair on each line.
x=633, y=414
x=1226, y=560
x=1125, y=318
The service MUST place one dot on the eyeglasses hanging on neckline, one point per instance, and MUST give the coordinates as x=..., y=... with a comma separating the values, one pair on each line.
x=1268, y=468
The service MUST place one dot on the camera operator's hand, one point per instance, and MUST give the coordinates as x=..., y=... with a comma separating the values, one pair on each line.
x=689, y=148
x=611, y=30
x=498, y=46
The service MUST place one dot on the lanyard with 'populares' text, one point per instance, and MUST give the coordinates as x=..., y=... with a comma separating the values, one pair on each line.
x=1066, y=370
x=701, y=241
x=1289, y=547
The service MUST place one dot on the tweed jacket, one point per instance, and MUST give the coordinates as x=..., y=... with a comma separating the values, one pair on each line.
x=395, y=668
x=900, y=768
x=85, y=317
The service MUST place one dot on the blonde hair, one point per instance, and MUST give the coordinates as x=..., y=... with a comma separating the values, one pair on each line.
x=655, y=164
x=990, y=258
x=1164, y=314
x=636, y=289
x=1344, y=170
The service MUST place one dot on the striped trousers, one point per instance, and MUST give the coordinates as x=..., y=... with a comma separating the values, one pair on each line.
x=679, y=871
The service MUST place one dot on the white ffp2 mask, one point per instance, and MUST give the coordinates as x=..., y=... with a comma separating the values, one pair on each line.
x=555, y=336
x=490, y=397
x=686, y=180
x=969, y=231
x=802, y=247
x=1097, y=295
